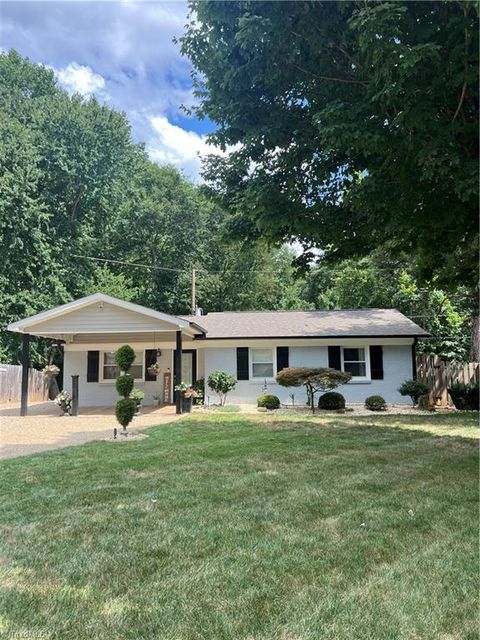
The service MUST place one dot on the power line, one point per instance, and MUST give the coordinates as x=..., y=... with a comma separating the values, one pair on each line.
x=128, y=264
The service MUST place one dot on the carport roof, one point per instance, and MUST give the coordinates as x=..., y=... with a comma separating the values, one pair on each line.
x=50, y=322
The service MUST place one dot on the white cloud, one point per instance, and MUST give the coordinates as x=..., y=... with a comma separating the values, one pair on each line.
x=176, y=146
x=78, y=78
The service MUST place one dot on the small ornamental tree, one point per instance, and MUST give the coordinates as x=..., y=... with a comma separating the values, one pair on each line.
x=315, y=380
x=126, y=406
x=221, y=382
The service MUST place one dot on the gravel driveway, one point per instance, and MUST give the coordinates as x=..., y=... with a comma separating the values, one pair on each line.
x=43, y=429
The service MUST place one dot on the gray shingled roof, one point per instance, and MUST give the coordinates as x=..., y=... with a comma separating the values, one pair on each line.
x=304, y=324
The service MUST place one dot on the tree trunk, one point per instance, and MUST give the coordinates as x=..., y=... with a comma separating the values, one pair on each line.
x=475, y=348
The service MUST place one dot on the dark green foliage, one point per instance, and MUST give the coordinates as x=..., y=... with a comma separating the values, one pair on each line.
x=124, y=357
x=124, y=385
x=375, y=403
x=331, y=400
x=125, y=410
x=269, y=401
x=221, y=382
x=199, y=386
x=465, y=396
x=414, y=389
x=363, y=135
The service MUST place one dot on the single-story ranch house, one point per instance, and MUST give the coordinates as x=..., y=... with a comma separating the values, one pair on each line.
x=377, y=346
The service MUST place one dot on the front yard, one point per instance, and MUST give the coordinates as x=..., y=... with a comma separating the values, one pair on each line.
x=248, y=528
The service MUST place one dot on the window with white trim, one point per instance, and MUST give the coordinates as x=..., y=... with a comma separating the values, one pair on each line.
x=355, y=361
x=109, y=370
x=262, y=361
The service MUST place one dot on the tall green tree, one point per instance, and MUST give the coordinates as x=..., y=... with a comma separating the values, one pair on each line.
x=355, y=124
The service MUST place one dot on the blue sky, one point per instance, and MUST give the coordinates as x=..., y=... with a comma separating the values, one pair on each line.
x=123, y=53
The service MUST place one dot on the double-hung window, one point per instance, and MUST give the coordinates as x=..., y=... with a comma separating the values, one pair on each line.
x=262, y=363
x=109, y=370
x=355, y=361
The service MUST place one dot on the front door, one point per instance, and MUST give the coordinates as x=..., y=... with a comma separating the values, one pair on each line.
x=189, y=366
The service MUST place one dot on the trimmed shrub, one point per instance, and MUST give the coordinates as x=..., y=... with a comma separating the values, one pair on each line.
x=269, y=401
x=465, y=396
x=331, y=400
x=414, y=389
x=124, y=357
x=375, y=403
x=124, y=385
x=125, y=410
x=314, y=379
x=221, y=382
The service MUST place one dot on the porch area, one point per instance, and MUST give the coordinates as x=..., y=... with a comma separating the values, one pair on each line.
x=91, y=329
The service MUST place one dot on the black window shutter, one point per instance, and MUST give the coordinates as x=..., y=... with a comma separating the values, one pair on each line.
x=282, y=358
x=376, y=362
x=334, y=361
x=242, y=363
x=150, y=358
x=93, y=362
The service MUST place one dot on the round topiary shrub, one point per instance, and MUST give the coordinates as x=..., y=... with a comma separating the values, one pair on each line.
x=125, y=410
x=375, y=403
x=331, y=400
x=269, y=401
x=124, y=385
x=124, y=357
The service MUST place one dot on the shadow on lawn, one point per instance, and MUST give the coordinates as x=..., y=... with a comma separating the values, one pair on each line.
x=458, y=425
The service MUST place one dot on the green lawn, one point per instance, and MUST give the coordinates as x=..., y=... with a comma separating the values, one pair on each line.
x=229, y=527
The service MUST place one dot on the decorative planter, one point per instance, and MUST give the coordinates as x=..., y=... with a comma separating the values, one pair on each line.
x=154, y=371
x=66, y=408
x=187, y=404
x=138, y=407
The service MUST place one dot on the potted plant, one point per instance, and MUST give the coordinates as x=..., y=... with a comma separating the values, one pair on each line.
x=188, y=394
x=154, y=369
x=64, y=401
x=138, y=396
x=50, y=370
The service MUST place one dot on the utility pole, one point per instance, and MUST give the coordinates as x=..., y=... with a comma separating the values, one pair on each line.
x=194, y=305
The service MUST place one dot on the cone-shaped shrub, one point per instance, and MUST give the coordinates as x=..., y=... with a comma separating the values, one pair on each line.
x=124, y=385
x=125, y=410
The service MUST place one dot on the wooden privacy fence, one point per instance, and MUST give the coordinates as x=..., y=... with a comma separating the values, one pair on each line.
x=439, y=376
x=11, y=384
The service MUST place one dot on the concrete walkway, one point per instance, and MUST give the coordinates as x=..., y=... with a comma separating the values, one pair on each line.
x=43, y=429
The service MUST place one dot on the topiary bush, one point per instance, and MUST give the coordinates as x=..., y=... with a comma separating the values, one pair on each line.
x=331, y=401
x=314, y=379
x=125, y=410
x=465, y=396
x=124, y=357
x=269, y=401
x=375, y=403
x=124, y=385
x=126, y=407
x=414, y=389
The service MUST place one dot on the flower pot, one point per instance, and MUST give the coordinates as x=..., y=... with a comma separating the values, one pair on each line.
x=66, y=408
x=138, y=407
x=187, y=404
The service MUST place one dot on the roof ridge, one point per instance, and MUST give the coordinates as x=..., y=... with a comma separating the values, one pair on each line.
x=209, y=313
